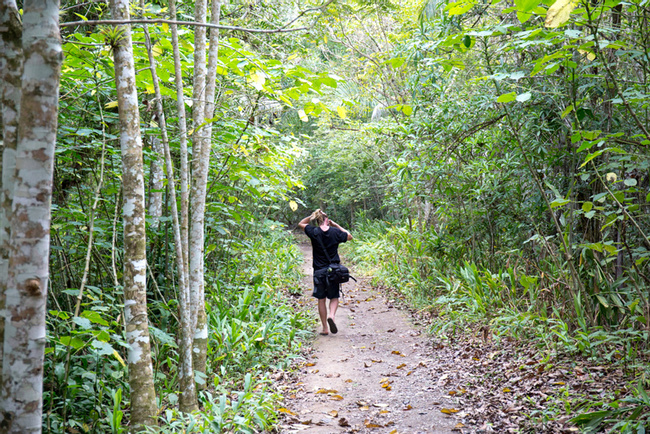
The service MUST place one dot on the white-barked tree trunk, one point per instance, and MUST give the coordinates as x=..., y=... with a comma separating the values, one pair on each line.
x=28, y=267
x=143, y=395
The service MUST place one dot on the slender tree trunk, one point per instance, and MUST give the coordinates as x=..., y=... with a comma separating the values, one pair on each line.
x=26, y=292
x=155, y=204
x=188, y=402
x=199, y=141
x=143, y=395
x=11, y=69
x=201, y=177
x=182, y=128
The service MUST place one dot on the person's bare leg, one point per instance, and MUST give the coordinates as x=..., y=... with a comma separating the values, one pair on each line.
x=334, y=304
x=322, y=312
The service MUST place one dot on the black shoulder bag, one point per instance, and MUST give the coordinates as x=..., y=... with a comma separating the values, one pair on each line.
x=336, y=273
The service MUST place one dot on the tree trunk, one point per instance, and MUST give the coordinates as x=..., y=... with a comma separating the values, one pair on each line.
x=182, y=128
x=11, y=67
x=143, y=395
x=155, y=204
x=199, y=141
x=188, y=402
x=201, y=177
x=26, y=292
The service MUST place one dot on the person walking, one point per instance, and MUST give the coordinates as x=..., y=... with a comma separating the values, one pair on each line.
x=324, y=233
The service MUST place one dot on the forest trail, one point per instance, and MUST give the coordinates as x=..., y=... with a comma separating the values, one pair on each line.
x=377, y=374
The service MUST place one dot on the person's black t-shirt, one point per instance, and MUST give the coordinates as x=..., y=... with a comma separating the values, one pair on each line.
x=331, y=239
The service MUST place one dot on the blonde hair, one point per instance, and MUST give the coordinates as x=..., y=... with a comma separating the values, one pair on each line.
x=317, y=218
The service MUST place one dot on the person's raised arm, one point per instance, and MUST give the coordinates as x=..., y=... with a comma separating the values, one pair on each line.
x=336, y=225
x=303, y=223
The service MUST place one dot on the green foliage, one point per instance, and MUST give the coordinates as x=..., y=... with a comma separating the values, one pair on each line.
x=627, y=415
x=250, y=410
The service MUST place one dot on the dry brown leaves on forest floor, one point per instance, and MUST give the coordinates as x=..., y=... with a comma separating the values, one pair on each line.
x=382, y=374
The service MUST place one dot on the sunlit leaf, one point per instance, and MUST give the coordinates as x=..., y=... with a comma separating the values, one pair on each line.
x=119, y=358
x=336, y=397
x=342, y=112
x=293, y=205
x=369, y=424
x=523, y=97
x=507, y=97
x=449, y=410
x=459, y=7
x=559, y=13
x=287, y=411
x=303, y=115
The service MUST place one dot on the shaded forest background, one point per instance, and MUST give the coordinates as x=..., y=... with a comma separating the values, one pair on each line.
x=490, y=157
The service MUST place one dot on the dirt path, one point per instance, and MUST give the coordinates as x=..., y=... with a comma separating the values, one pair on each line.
x=375, y=375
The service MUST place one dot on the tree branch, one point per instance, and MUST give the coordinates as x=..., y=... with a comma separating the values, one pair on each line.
x=283, y=29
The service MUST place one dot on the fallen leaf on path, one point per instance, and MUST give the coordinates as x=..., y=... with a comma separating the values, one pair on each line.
x=333, y=413
x=367, y=364
x=327, y=391
x=458, y=426
x=348, y=381
x=343, y=422
x=407, y=408
x=369, y=424
x=449, y=410
x=390, y=331
x=393, y=432
x=310, y=364
x=380, y=405
x=401, y=366
x=409, y=373
x=306, y=422
x=376, y=361
x=287, y=411
x=384, y=412
x=364, y=408
x=314, y=371
x=336, y=397
x=361, y=403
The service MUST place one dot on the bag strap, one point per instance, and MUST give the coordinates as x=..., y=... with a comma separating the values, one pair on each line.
x=323, y=247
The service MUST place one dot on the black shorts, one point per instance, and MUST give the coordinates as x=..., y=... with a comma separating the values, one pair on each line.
x=322, y=289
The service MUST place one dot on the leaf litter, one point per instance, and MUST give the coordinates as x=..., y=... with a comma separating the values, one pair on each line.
x=473, y=384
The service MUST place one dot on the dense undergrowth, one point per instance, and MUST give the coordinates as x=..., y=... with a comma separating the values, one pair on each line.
x=253, y=332
x=509, y=302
